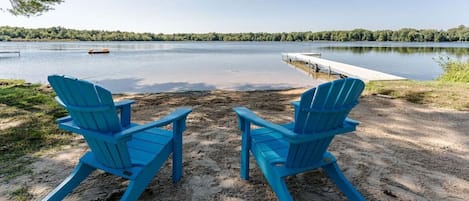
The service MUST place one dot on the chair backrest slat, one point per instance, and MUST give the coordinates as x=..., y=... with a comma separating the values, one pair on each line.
x=92, y=108
x=79, y=93
x=300, y=118
x=322, y=109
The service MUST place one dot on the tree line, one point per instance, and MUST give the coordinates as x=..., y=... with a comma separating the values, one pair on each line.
x=460, y=33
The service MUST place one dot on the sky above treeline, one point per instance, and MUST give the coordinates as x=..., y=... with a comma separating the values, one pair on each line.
x=233, y=16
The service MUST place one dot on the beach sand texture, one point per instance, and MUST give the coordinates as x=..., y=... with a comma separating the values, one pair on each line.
x=401, y=151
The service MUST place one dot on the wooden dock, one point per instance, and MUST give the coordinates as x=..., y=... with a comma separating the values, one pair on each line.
x=11, y=52
x=337, y=67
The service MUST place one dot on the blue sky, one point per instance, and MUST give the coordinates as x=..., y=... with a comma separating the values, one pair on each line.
x=201, y=16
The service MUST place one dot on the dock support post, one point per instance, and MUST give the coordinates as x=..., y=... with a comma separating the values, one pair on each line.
x=316, y=68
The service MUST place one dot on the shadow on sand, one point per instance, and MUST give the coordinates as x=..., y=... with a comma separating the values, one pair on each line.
x=401, y=151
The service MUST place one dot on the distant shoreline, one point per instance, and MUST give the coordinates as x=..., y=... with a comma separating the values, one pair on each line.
x=460, y=33
x=318, y=41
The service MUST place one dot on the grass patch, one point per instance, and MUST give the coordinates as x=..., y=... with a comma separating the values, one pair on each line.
x=449, y=91
x=454, y=71
x=27, y=125
x=21, y=194
x=435, y=93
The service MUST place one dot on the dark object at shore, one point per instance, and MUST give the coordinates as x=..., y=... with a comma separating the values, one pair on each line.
x=102, y=51
x=11, y=52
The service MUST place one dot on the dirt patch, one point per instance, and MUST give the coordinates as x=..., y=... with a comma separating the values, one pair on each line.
x=401, y=151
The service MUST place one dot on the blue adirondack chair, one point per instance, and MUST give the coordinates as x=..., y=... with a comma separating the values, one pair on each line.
x=117, y=146
x=289, y=149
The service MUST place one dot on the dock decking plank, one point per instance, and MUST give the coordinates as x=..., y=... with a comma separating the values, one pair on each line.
x=341, y=68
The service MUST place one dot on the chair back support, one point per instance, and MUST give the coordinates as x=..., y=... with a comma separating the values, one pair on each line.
x=322, y=109
x=92, y=108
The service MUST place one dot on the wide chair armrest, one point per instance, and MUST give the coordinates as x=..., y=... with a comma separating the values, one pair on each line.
x=296, y=106
x=179, y=115
x=66, y=123
x=123, y=106
x=245, y=114
x=295, y=103
x=123, y=103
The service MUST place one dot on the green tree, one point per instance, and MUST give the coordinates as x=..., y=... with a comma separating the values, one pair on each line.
x=343, y=36
x=428, y=35
x=460, y=33
x=30, y=8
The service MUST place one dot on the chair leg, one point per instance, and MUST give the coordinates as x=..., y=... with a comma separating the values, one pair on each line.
x=136, y=188
x=334, y=172
x=72, y=181
x=280, y=188
x=245, y=127
x=177, y=158
x=244, y=161
x=133, y=192
x=177, y=167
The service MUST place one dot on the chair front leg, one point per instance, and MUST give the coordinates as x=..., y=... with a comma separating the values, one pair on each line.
x=245, y=148
x=78, y=175
x=178, y=129
x=333, y=171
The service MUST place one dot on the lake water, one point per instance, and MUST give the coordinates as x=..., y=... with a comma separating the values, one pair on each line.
x=179, y=66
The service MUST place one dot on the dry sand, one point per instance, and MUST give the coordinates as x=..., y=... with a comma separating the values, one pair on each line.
x=401, y=151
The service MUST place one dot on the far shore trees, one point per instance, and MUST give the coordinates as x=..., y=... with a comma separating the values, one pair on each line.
x=460, y=33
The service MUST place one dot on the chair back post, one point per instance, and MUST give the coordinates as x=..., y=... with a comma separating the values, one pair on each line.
x=125, y=116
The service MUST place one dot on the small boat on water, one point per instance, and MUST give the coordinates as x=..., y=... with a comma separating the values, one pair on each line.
x=102, y=51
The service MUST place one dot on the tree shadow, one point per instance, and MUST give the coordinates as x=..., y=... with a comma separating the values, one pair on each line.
x=134, y=85
x=416, y=97
x=400, y=151
x=414, y=151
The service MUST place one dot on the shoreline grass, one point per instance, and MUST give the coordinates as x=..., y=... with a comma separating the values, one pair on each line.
x=27, y=116
x=454, y=71
x=448, y=91
x=434, y=93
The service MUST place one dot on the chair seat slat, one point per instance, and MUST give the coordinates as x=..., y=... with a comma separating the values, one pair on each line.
x=330, y=110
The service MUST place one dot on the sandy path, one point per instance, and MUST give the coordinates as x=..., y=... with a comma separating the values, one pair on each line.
x=401, y=151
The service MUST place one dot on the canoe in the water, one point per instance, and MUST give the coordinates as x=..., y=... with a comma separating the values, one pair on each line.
x=102, y=51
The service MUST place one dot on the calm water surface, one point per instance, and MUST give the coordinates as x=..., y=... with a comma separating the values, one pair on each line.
x=179, y=66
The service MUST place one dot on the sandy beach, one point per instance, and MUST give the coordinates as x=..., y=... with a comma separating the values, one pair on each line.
x=401, y=151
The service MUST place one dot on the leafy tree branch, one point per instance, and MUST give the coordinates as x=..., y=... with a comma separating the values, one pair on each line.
x=30, y=8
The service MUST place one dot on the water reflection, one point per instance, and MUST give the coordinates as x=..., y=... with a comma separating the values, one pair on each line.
x=452, y=51
x=308, y=69
x=174, y=66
